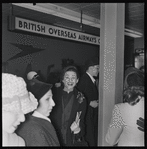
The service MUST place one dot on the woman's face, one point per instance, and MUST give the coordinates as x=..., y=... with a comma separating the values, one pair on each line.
x=11, y=120
x=70, y=80
x=46, y=104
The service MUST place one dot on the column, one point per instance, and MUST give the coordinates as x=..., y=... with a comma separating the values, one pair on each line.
x=111, y=64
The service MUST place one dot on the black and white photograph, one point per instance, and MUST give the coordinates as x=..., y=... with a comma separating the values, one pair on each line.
x=73, y=74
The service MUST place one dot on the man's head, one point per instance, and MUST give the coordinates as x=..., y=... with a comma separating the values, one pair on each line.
x=92, y=66
x=32, y=75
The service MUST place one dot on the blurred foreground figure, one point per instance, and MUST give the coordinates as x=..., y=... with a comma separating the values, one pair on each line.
x=16, y=101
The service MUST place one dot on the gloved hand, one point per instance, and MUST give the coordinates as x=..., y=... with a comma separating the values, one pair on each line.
x=94, y=103
x=140, y=123
x=57, y=84
x=75, y=127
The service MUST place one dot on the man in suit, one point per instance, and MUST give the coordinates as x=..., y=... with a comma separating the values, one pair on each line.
x=89, y=89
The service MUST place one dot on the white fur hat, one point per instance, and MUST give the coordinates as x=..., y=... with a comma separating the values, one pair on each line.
x=15, y=96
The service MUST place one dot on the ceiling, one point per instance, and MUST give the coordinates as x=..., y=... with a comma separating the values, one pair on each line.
x=134, y=13
x=68, y=15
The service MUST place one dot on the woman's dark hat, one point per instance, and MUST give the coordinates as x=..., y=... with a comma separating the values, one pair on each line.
x=68, y=68
x=39, y=89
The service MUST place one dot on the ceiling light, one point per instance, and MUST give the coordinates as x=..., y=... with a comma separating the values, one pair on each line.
x=132, y=33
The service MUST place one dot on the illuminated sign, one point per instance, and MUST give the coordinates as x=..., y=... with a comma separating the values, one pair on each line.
x=49, y=30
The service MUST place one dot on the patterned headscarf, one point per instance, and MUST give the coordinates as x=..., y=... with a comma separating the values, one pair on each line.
x=15, y=96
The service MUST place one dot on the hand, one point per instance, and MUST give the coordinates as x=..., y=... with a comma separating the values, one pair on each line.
x=140, y=123
x=58, y=84
x=75, y=127
x=94, y=103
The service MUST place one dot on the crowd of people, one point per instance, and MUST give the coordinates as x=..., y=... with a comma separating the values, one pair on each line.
x=36, y=113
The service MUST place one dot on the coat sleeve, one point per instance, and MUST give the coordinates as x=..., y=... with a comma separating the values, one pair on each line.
x=84, y=107
x=115, y=127
x=83, y=86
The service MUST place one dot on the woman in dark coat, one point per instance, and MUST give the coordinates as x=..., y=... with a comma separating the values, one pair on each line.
x=38, y=130
x=69, y=112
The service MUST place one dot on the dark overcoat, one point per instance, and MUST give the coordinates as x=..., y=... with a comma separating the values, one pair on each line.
x=38, y=132
x=78, y=105
x=88, y=88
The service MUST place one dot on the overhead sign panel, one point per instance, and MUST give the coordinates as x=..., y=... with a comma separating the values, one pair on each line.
x=54, y=31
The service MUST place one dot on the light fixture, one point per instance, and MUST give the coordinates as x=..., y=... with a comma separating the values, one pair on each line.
x=67, y=27
x=132, y=33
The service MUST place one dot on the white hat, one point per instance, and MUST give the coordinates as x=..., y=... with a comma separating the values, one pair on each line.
x=31, y=74
x=15, y=96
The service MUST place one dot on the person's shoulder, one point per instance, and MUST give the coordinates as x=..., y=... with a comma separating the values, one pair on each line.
x=25, y=123
x=31, y=125
x=84, y=79
x=122, y=106
x=58, y=89
x=84, y=75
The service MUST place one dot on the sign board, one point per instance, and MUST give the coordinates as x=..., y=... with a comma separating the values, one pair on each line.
x=50, y=30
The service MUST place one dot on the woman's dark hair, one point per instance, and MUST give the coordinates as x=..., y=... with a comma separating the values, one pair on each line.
x=69, y=68
x=135, y=79
x=131, y=94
